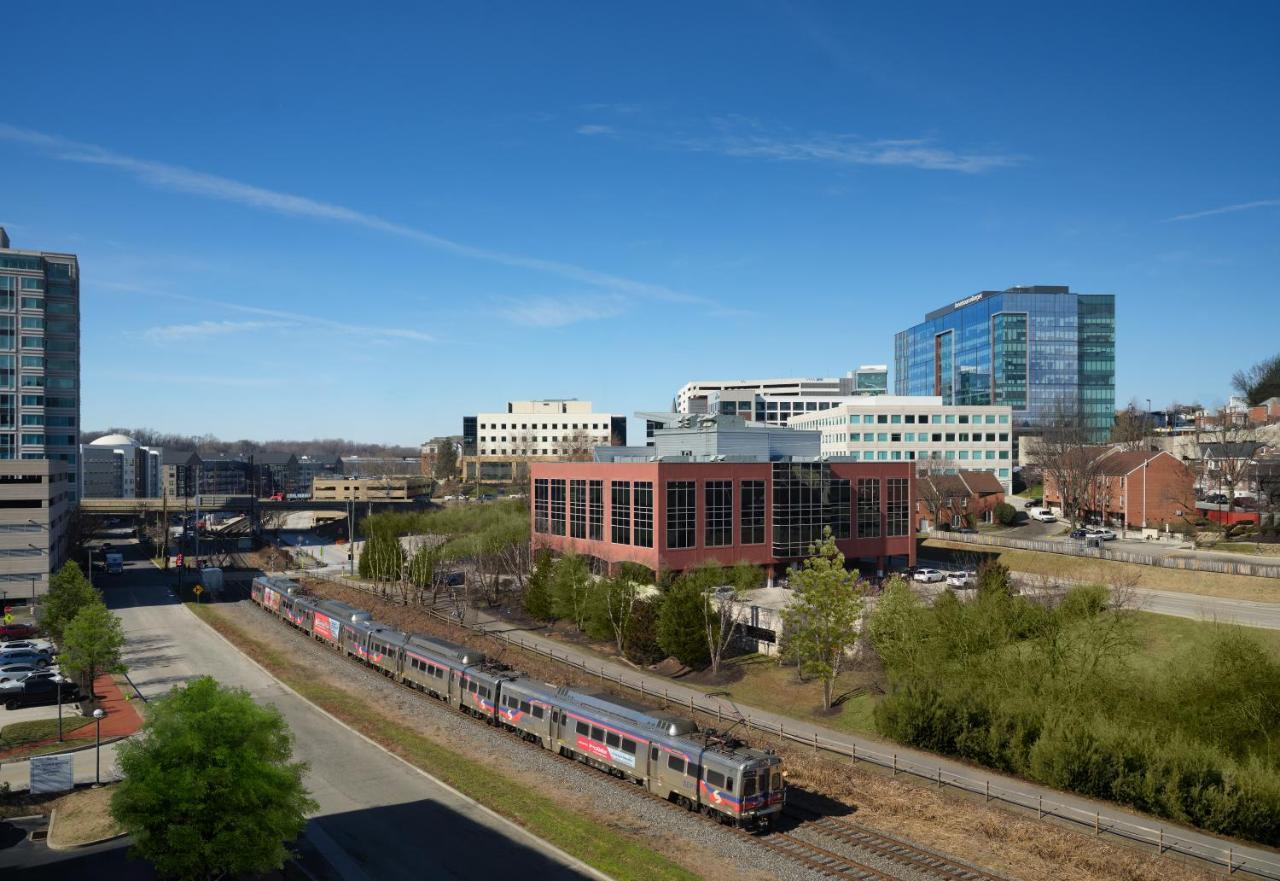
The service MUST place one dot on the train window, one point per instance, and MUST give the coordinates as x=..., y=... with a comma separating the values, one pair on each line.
x=628, y=746
x=675, y=763
x=471, y=687
x=653, y=753
x=597, y=734
x=775, y=781
x=438, y=671
x=612, y=739
x=484, y=691
x=525, y=708
x=537, y=711
x=583, y=729
x=728, y=784
x=715, y=778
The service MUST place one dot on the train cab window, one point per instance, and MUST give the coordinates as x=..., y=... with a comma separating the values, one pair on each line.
x=628, y=746
x=748, y=786
x=775, y=781
x=525, y=708
x=597, y=734
x=537, y=711
x=715, y=778
x=675, y=763
x=584, y=729
x=612, y=739
x=728, y=784
x=484, y=691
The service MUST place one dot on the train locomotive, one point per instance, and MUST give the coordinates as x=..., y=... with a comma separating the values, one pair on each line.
x=666, y=754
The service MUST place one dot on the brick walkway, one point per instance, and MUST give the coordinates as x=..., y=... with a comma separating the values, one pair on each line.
x=122, y=719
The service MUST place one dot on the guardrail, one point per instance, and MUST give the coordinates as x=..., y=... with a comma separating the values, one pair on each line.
x=1199, y=564
x=1165, y=842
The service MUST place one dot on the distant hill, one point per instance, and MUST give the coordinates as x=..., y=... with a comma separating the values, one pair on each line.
x=207, y=443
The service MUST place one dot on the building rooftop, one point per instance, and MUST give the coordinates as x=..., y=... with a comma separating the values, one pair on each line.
x=114, y=440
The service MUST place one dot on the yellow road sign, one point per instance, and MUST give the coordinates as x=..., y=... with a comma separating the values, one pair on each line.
x=8, y=618
x=197, y=590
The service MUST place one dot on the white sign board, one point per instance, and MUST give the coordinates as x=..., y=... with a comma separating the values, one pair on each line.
x=52, y=774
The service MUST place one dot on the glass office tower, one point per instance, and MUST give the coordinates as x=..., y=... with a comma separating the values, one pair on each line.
x=39, y=356
x=1042, y=350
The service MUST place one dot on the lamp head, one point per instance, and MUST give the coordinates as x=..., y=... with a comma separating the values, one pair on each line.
x=99, y=713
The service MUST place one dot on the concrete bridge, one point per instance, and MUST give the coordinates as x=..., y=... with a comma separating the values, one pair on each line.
x=236, y=504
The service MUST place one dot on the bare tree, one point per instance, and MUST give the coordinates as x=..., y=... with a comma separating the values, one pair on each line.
x=726, y=611
x=1229, y=448
x=1071, y=464
x=1132, y=429
x=578, y=445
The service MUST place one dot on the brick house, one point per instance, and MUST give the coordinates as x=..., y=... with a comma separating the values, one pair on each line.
x=952, y=499
x=1132, y=489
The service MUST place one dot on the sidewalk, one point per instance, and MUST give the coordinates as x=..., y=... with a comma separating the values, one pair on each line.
x=122, y=720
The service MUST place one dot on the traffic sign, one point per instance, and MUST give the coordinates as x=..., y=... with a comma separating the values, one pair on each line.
x=8, y=617
x=197, y=590
x=179, y=560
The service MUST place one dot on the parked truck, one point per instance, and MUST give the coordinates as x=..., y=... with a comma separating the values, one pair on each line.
x=211, y=580
x=114, y=562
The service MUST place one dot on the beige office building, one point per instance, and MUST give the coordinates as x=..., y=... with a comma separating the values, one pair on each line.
x=900, y=428
x=36, y=500
x=498, y=447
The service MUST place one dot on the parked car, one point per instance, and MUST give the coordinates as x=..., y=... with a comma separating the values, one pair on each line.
x=14, y=680
x=36, y=645
x=16, y=631
x=1042, y=515
x=964, y=530
x=928, y=576
x=1080, y=534
x=1103, y=533
x=962, y=579
x=1034, y=503
x=15, y=672
x=23, y=656
x=40, y=692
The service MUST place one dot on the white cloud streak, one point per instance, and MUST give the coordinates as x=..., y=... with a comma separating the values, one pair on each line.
x=197, y=183
x=181, y=333
x=558, y=312
x=285, y=319
x=747, y=138
x=1226, y=209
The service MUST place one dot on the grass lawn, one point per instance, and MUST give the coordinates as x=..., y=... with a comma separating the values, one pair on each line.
x=1090, y=570
x=769, y=686
x=1164, y=639
x=21, y=734
x=1245, y=547
x=611, y=852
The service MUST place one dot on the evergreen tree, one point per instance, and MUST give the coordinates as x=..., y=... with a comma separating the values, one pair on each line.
x=570, y=589
x=537, y=593
x=682, y=621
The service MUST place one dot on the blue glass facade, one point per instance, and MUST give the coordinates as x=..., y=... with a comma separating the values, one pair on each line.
x=1042, y=350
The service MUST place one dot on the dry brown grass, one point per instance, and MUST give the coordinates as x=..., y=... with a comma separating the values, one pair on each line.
x=1089, y=570
x=82, y=818
x=945, y=820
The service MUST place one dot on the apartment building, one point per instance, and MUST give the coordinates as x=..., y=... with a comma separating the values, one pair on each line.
x=391, y=488
x=39, y=356
x=498, y=447
x=924, y=430
x=37, y=497
x=773, y=401
x=115, y=466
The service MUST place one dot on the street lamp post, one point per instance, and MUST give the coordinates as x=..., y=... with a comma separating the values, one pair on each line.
x=97, y=771
x=59, y=684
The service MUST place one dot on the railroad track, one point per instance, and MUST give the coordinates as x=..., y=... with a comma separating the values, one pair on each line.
x=814, y=857
x=895, y=850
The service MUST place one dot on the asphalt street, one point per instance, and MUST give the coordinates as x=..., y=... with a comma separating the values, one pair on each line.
x=378, y=818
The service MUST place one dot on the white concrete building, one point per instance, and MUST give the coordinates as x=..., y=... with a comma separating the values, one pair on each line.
x=750, y=398
x=37, y=497
x=498, y=446
x=893, y=428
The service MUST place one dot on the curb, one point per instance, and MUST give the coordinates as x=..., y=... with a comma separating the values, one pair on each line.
x=568, y=858
x=63, y=752
x=53, y=817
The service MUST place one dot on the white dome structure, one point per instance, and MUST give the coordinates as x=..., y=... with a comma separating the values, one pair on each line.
x=114, y=440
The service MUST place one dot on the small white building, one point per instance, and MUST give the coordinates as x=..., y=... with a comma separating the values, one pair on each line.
x=897, y=428
x=115, y=466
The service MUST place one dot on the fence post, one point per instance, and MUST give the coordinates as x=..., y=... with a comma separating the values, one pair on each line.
x=815, y=740
x=1039, y=807
x=986, y=797
x=690, y=703
x=895, y=765
x=717, y=712
x=1160, y=841
x=939, y=777
x=853, y=751
x=665, y=699
x=1097, y=823
x=1231, y=863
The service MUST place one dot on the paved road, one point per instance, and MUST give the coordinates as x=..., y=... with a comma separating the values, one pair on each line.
x=1202, y=608
x=378, y=818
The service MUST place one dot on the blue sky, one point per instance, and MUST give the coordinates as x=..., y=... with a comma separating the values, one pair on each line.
x=301, y=220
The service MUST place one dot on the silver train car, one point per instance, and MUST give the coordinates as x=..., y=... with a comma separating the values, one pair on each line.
x=662, y=752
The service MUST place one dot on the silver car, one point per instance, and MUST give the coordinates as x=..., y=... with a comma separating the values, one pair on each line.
x=962, y=579
x=15, y=680
x=24, y=656
x=929, y=576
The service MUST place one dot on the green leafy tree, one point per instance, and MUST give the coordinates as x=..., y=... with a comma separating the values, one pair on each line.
x=642, y=637
x=571, y=589
x=69, y=592
x=537, y=592
x=682, y=621
x=91, y=644
x=209, y=789
x=993, y=577
x=1005, y=513
x=822, y=621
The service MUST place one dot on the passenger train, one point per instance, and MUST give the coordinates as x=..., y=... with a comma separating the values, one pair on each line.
x=666, y=754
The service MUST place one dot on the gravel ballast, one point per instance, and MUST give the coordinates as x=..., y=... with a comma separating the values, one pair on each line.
x=685, y=837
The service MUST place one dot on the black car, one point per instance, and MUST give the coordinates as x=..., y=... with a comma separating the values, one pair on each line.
x=1080, y=534
x=40, y=692
x=1034, y=503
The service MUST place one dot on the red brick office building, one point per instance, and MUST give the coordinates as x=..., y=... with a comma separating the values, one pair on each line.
x=678, y=514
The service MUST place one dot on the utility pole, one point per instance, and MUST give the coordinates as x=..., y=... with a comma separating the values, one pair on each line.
x=197, y=521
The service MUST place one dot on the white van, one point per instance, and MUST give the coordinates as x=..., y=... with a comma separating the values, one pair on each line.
x=1044, y=515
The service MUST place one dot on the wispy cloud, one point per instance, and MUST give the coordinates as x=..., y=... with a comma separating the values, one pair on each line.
x=181, y=333
x=1226, y=209
x=559, y=311
x=284, y=319
x=206, y=379
x=748, y=138
x=197, y=183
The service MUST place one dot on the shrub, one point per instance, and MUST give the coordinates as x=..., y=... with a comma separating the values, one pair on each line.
x=1004, y=513
x=537, y=592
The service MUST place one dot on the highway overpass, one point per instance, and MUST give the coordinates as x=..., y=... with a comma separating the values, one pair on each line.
x=235, y=504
